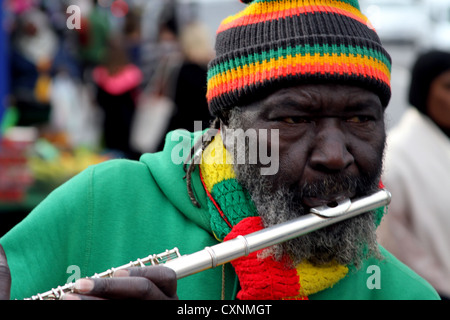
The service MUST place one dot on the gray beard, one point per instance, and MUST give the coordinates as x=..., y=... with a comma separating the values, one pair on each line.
x=347, y=242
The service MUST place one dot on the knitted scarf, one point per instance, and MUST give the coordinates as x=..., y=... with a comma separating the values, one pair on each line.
x=233, y=213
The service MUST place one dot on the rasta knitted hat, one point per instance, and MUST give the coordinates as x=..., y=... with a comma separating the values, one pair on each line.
x=274, y=44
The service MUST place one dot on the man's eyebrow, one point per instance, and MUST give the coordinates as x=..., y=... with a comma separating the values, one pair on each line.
x=301, y=103
x=294, y=103
x=361, y=105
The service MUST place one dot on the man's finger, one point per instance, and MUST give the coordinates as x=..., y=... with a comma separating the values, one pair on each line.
x=152, y=284
x=5, y=276
x=164, y=278
x=120, y=288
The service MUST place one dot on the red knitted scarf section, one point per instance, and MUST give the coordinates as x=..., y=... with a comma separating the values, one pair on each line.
x=266, y=278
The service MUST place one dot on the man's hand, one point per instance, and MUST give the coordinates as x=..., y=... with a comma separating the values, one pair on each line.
x=5, y=276
x=148, y=283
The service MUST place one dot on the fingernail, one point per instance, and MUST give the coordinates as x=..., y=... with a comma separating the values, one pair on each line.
x=69, y=296
x=121, y=273
x=84, y=285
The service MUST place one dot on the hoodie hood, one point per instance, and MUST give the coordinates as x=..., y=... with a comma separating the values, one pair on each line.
x=166, y=167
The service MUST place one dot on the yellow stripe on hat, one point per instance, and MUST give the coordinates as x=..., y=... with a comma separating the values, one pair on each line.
x=312, y=63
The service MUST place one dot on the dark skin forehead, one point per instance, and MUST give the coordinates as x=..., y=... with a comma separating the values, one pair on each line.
x=322, y=100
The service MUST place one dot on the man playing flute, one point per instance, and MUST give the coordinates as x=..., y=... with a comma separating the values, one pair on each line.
x=299, y=91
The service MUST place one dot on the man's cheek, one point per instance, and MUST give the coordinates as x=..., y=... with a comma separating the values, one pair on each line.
x=269, y=151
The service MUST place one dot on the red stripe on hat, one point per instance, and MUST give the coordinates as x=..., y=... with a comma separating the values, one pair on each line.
x=299, y=69
x=281, y=14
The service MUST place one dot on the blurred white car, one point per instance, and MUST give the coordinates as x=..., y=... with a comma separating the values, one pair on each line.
x=397, y=20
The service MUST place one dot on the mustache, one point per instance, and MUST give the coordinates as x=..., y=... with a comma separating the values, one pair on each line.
x=344, y=242
x=336, y=184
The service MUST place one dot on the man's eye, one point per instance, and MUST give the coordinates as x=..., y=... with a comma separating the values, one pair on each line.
x=359, y=119
x=295, y=120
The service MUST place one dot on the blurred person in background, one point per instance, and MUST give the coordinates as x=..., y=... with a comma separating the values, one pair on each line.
x=93, y=36
x=160, y=61
x=34, y=47
x=133, y=35
x=418, y=176
x=161, y=48
x=117, y=81
x=160, y=65
x=189, y=93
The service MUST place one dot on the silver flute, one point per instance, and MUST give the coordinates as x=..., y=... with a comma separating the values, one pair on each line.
x=243, y=245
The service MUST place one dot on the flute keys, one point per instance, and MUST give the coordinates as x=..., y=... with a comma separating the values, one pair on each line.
x=155, y=259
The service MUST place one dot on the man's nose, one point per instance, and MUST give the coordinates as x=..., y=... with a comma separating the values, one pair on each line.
x=330, y=150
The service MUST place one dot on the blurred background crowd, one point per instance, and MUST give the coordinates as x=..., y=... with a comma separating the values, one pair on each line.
x=84, y=81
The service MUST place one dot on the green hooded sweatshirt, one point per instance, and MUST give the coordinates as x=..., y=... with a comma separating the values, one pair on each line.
x=122, y=210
